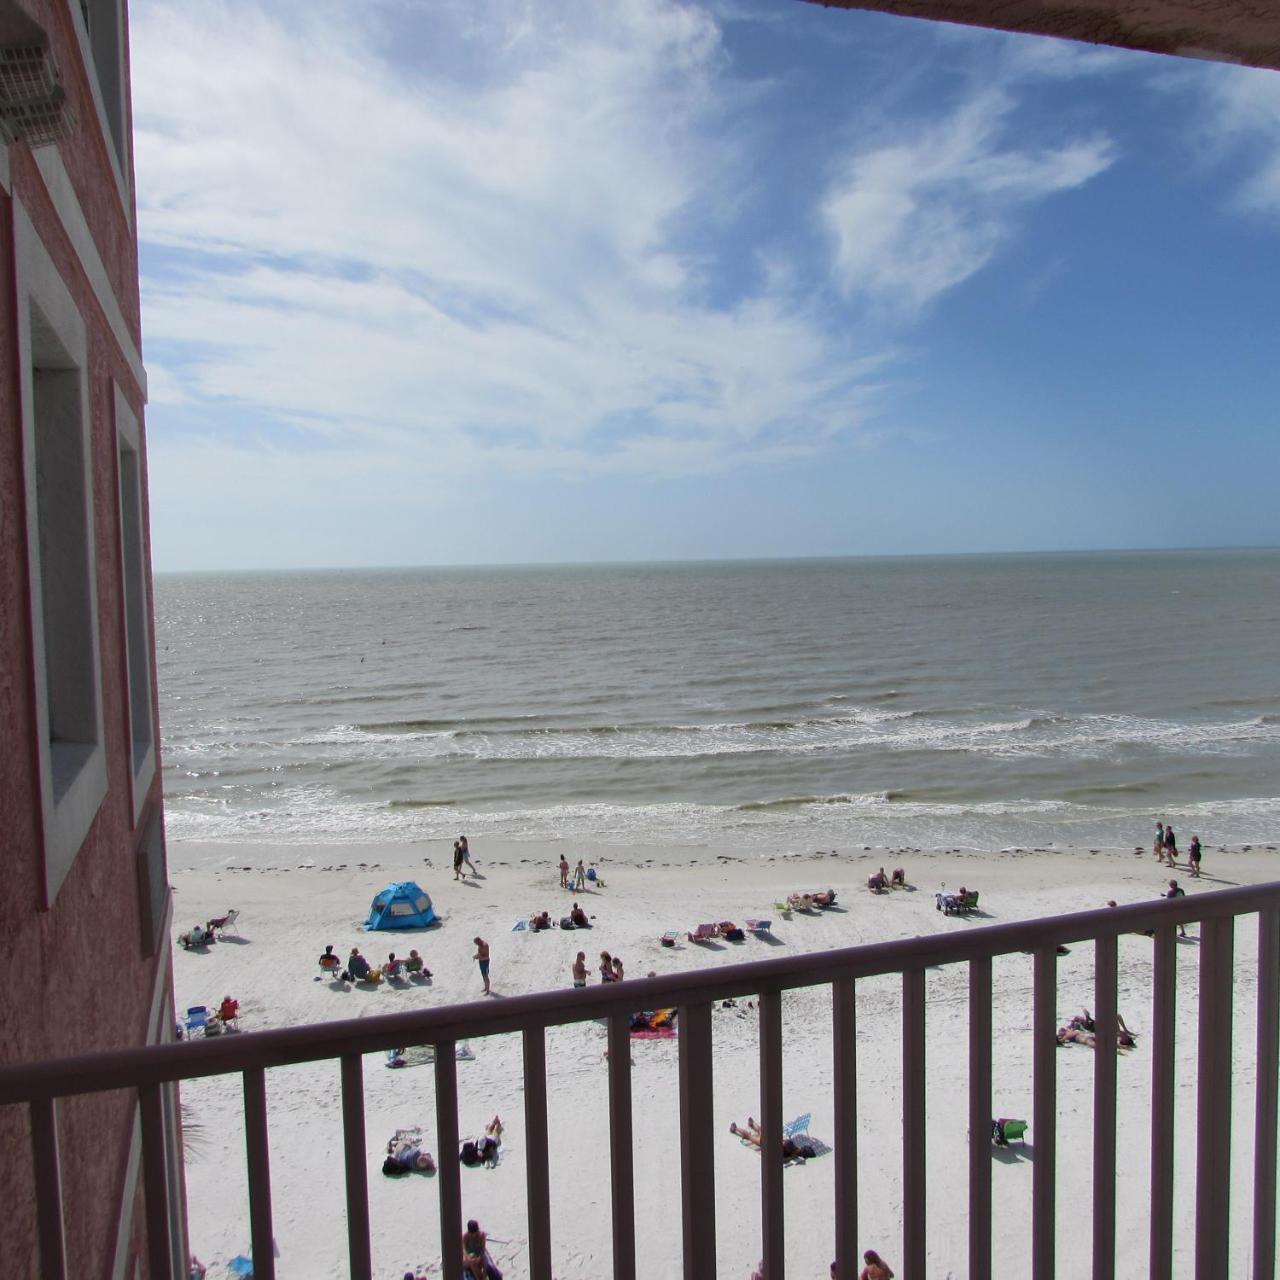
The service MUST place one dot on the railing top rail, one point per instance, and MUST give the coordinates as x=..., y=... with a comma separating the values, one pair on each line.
x=155, y=1064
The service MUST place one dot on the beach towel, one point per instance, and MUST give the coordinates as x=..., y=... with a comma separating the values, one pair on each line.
x=421, y=1055
x=655, y=1033
x=520, y=925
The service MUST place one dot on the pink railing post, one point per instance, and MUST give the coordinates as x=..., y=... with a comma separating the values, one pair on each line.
x=155, y=1178
x=450, y=1171
x=697, y=1143
x=1105, y=973
x=48, y=1177
x=771, y=1122
x=913, y=1124
x=980, y=1117
x=845, y=1081
x=355, y=1157
x=1213, y=1101
x=255, y=1131
x=1044, y=1114
x=1264, y=1127
x=537, y=1177
x=1163, y=996
x=621, y=1160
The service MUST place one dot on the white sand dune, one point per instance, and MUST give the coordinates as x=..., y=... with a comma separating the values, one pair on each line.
x=288, y=913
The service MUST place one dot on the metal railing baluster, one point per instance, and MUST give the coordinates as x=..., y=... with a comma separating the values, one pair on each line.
x=980, y=1117
x=450, y=1171
x=357, y=1177
x=913, y=1124
x=1105, y=973
x=1213, y=1101
x=1044, y=1114
x=621, y=1159
x=261, y=1234
x=155, y=1178
x=697, y=1144
x=537, y=1178
x=1264, y=1126
x=48, y=1179
x=772, y=1206
x=845, y=1083
x=1163, y=1004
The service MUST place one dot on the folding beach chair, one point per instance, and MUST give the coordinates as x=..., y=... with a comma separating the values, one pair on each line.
x=1004, y=1131
x=704, y=933
x=226, y=924
x=197, y=1018
x=759, y=926
x=670, y=938
x=799, y=1125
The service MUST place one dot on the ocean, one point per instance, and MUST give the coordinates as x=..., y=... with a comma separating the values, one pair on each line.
x=946, y=702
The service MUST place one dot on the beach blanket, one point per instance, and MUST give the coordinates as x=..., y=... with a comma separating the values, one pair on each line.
x=420, y=1055
x=659, y=1033
x=520, y=925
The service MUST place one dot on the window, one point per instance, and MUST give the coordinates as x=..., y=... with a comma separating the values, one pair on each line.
x=102, y=41
x=137, y=608
x=60, y=554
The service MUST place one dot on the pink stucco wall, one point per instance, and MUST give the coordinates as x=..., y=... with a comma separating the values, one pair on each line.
x=75, y=976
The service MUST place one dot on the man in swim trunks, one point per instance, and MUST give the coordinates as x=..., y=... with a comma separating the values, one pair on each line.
x=482, y=959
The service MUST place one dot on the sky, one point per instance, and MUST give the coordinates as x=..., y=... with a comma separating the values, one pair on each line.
x=488, y=281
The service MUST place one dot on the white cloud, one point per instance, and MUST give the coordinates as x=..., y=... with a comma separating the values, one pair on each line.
x=918, y=216
x=429, y=269
x=1244, y=116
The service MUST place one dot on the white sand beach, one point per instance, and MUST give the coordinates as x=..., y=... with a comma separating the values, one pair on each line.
x=294, y=900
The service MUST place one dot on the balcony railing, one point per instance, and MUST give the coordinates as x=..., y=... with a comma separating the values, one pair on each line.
x=40, y=1085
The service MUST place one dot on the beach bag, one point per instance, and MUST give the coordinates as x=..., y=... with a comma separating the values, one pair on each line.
x=469, y=1155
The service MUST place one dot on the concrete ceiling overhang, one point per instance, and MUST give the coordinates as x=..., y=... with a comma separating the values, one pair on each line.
x=1222, y=30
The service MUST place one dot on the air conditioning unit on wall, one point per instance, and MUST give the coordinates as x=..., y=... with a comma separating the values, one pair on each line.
x=33, y=103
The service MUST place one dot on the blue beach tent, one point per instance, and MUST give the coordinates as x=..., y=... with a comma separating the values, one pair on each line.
x=401, y=906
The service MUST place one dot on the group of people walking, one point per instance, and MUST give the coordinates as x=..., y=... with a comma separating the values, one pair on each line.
x=1165, y=847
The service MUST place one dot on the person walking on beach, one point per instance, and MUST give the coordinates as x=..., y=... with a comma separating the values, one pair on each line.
x=1158, y=846
x=481, y=958
x=1193, y=855
x=1175, y=891
x=564, y=872
x=458, y=855
x=579, y=970
x=466, y=855
x=579, y=876
x=1170, y=845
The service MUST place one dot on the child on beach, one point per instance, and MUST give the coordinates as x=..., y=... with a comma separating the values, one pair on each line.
x=579, y=876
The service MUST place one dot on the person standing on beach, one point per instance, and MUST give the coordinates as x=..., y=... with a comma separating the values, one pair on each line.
x=580, y=876
x=458, y=855
x=564, y=872
x=1158, y=847
x=579, y=970
x=1193, y=855
x=466, y=854
x=481, y=958
x=1170, y=845
x=1176, y=891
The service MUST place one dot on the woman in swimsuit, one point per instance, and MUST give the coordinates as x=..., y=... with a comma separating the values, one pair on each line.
x=606, y=967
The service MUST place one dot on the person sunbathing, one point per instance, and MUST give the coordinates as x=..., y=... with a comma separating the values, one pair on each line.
x=473, y=1250
x=579, y=917
x=539, y=921
x=405, y=1155
x=487, y=1147
x=393, y=967
x=791, y=1149
x=1074, y=1035
x=824, y=898
x=730, y=931
x=329, y=962
x=800, y=901
x=357, y=969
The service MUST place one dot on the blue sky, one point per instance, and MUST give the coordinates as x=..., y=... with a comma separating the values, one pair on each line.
x=485, y=281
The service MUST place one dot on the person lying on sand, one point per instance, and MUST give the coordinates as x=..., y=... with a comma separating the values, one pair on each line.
x=406, y=1156
x=824, y=898
x=800, y=901
x=791, y=1150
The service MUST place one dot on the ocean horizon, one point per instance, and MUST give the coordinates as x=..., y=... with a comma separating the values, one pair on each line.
x=965, y=700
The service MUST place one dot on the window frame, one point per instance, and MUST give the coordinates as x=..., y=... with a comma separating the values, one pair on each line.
x=65, y=818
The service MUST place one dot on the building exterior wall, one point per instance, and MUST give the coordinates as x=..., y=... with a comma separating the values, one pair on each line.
x=82, y=971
